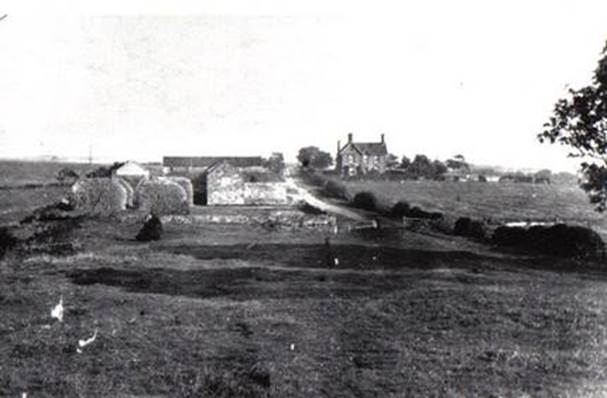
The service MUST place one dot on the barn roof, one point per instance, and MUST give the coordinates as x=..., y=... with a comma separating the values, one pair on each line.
x=208, y=161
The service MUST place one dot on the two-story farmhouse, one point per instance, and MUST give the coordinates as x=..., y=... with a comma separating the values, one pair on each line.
x=356, y=158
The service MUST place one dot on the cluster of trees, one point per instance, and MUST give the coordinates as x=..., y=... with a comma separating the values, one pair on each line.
x=313, y=157
x=422, y=167
x=579, y=122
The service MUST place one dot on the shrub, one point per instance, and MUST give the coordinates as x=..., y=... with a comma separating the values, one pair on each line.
x=7, y=241
x=98, y=196
x=568, y=241
x=509, y=236
x=365, y=200
x=558, y=240
x=307, y=208
x=161, y=196
x=416, y=212
x=400, y=209
x=54, y=212
x=151, y=230
x=469, y=228
x=67, y=175
x=334, y=189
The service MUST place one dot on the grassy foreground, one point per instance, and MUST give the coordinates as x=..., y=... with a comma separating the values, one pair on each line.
x=220, y=310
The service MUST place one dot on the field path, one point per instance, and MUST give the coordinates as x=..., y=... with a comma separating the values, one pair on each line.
x=305, y=195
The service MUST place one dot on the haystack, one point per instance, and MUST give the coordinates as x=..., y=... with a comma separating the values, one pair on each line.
x=99, y=196
x=161, y=196
x=185, y=183
x=130, y=192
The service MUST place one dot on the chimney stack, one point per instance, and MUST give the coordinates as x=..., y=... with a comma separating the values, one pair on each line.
x=382, y=138
x=338, y=146
x=350, y=137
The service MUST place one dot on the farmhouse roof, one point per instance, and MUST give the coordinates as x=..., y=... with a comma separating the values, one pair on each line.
x=208, y=161
x=371, y=148
x=366, y=148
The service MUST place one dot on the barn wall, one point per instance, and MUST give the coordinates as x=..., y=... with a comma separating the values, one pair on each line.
x=225, y=186
x=265, y=193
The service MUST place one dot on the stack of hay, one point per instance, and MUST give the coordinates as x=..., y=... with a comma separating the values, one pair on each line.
x=130, y=192
x=162, y=196
x=99, y=196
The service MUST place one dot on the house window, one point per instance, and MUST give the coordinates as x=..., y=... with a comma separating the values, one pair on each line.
x=350, y=159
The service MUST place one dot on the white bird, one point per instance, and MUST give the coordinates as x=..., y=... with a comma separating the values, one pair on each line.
x=57, y=311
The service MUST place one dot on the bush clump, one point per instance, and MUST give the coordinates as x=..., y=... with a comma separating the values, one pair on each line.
x=560, y=240
x=334, y=189
x=365, y=200
x=509, y=236
x=400, y=209
x=307, y=208
x=54, y=212
x=7, y=241
x=469, y=228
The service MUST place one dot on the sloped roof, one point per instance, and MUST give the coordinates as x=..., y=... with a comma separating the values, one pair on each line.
x=131, y=168
x=368, y=148
x=208, y=161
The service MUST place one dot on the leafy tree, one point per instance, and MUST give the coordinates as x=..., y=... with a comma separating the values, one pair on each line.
x=458, y=162
x=579, y=122
x=405, y=162
x=313, y=157
x=276, y=162
x=439, y=168
x=421, y=167
x=392, y=161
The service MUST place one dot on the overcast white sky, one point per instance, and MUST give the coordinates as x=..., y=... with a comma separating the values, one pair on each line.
x=153, y=78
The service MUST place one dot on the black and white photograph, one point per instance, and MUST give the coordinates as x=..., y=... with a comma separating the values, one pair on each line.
x=269, y=198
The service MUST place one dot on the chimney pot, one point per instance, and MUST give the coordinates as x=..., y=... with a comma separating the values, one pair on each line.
x=382, y=138
x=350, y=137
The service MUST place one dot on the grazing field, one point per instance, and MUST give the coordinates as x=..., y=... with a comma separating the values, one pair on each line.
x=243, y=311
x=258, y=310
x=500, y=202
x=16, y=173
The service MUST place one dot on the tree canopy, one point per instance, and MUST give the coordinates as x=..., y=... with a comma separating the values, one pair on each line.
x=313, y=157
x=579, y=122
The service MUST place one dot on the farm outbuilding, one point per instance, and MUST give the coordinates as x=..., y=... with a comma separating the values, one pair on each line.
x=132, y=172
x=229, y=180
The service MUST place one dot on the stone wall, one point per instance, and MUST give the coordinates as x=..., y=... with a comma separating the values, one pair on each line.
x=225, y=186
x=265, y=193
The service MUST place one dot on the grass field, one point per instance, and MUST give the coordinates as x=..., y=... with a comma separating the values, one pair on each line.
x=228, y=310
x=499, y=202
x=243, y=311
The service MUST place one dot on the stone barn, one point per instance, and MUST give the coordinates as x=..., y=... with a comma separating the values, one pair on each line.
x=229, y=180
x=229, y=185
